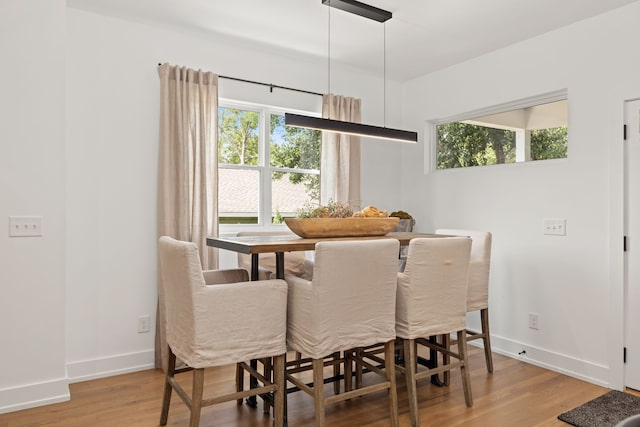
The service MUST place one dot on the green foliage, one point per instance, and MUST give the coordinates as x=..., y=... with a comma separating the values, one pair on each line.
x=332, y=210
x=549, y=143
x=463, y=145
x=298, y=149
x=238, y=136
x=292, y=148
x=277, y=218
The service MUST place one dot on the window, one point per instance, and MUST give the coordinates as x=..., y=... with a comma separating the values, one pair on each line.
x=266, y=170
x=536, y=131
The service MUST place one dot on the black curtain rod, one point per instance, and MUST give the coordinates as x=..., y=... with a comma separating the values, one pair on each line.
x=271, y=86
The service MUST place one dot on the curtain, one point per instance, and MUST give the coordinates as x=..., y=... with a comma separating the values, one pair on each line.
x=187, y=169
x=340, y=156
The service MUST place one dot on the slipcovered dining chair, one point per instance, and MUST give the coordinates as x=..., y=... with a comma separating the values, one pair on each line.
x=212, y=322
x=349, y=303
x=295, y=263
x=478, y=285
x=431, y=301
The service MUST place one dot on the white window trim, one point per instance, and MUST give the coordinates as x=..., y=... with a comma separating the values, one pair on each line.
x=430, y=151
x=263, y=167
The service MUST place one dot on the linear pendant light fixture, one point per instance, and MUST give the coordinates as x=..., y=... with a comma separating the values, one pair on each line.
x=351, y=128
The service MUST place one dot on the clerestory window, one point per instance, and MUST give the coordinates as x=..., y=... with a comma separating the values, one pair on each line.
x=535, y=129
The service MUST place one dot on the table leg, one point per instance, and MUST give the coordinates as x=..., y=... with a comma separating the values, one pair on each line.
x=431, y=363
x=253, y=383
x=280, y=265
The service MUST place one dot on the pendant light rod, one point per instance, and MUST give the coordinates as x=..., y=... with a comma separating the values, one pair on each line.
x=384, y=74
x=361, y=9
x=351, y=128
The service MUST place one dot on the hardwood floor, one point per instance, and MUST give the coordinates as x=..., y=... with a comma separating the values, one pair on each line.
x=516, y=394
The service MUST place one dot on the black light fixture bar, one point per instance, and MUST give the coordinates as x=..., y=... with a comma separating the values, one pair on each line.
x=365, y=10
x=358, y=129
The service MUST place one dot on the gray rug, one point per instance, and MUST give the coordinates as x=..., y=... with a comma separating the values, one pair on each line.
x=604, y=411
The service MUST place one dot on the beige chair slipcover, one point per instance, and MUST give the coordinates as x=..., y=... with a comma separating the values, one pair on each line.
x=478, y=286
x=431, y=301
x=349, y=303
x=295, y=263
x=216, y=323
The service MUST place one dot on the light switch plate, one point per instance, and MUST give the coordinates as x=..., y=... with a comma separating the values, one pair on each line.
x=25, y=226
x=555, y=226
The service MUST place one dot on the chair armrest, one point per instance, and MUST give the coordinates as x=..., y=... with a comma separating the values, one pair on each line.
x=217, y=277
x=300, y=326
x=241, y=321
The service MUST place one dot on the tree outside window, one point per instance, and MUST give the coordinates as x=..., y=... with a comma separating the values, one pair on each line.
x=536, y=132
x=266, y=169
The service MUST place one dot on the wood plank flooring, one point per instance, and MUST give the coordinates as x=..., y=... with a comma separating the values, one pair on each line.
x=516, y=394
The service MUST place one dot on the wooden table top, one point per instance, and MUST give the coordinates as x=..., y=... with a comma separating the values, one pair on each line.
x=281, y=243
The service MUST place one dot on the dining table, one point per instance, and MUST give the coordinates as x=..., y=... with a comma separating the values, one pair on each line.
x=281, y=244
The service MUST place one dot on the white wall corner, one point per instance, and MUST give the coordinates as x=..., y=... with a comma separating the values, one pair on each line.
x=429, y=146
x=34, y=395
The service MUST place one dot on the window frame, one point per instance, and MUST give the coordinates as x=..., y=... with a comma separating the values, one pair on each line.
x=264, y=168
x=431, y=126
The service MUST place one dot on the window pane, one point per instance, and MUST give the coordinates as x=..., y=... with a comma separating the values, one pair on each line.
x=238, y=196
x=238, y=132
x=462, y=145
x=549, y=143
x=292, y=147
x=535, y=132
x=291, y=191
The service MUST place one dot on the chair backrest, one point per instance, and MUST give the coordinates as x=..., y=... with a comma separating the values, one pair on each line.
x=480, y=263
x=354, y=292
x=294, y=262
x=432, y=290
x=181, y=280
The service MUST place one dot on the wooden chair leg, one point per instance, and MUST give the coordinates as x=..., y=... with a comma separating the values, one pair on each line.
x=196, y=397
x=484, y=317
x=446, y=359
x=267, y=364
x=410, y=374
x=466, y=380
x=166, y=400
x=336, y=373
x=390, y=376
x=348, y=370
x=239, y=381
x=359, y=368
x=281, y=391
x=318, y=391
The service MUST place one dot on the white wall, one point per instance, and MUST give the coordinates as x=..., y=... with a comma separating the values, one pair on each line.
x=71, y=299
x=112, y=126
x=32, y=269
x=96, y=263
x=574, y=283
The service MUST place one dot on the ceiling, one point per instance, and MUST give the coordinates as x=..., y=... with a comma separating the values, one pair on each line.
x=423, y=35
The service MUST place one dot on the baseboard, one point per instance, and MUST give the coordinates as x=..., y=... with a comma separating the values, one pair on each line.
x=85, y=370
x=567, y=365
x=33, y=395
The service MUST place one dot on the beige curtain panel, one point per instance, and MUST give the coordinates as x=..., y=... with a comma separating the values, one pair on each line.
x=340, y=157
x=187, y=169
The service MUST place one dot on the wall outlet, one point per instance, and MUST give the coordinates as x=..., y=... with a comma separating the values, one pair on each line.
x=533, y=321
x=25, y=226
x=555, y=227
x=143, y=324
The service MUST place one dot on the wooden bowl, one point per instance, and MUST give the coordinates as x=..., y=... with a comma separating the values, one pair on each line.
x=341, y=227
